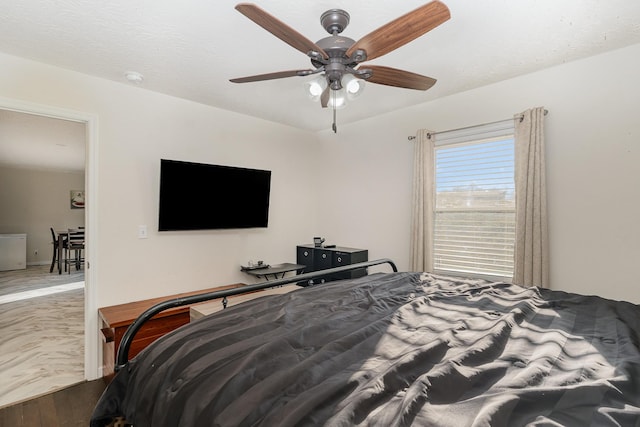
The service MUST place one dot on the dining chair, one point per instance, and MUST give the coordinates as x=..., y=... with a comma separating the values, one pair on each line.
x=55, y=242
x=73, y=251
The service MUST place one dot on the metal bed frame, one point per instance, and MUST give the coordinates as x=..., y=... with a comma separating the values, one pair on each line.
x=122, y=357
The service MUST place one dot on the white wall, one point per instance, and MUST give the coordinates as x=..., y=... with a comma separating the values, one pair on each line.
x=593, y=169
x=135, y=129
x=33, y=201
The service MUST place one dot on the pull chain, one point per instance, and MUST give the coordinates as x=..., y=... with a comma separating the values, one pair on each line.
x=334, y=127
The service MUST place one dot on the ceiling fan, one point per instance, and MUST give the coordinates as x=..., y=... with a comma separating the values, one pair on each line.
x=337, y=57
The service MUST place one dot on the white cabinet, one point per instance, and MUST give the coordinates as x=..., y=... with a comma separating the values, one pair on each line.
x=13, y=252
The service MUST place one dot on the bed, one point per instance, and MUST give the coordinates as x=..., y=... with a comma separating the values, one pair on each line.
x=391, y=349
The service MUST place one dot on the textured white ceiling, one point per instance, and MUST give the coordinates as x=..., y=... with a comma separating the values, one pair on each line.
x=191, y=48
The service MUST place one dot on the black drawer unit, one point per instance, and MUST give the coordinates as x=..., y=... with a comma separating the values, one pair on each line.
x=348, y=256
x=322, y=259
x=315, y=258
x=304, y=256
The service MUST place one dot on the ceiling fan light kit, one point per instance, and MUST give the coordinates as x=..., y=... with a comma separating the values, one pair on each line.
x=336, y=59
x=315, y=87
x=352, y=86
x=351, y=89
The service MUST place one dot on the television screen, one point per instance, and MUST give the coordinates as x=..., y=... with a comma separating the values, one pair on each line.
x=197, y=196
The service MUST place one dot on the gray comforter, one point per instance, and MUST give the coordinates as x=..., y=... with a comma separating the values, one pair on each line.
x=392, y=349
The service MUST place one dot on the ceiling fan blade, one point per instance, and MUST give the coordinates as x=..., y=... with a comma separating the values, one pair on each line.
x=398, y=78
x=271, y=76
x=402, y=30
x=279, y=29
x=324, y=98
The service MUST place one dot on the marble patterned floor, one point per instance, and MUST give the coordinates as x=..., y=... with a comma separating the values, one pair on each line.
x=35, y=277
x=41, y=336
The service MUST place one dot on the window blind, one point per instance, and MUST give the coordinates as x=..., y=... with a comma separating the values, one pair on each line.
x=474, y=230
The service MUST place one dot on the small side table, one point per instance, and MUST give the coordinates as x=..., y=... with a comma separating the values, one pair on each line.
x=276, y=271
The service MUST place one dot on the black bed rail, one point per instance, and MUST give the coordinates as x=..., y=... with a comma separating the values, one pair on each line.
x=122, y=357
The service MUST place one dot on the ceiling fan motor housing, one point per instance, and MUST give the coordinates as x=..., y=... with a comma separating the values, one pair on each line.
x=335, y=67
x=335, y=46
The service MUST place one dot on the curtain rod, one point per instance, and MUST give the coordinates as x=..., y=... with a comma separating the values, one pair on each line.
x=412, y=137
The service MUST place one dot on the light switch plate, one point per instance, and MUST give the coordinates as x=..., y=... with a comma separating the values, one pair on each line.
x=142, y=232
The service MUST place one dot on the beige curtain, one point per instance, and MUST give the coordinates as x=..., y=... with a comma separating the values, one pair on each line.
x=531, y=248
x=421, y=255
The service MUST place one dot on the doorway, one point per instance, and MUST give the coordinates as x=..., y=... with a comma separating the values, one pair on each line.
x=91, y=345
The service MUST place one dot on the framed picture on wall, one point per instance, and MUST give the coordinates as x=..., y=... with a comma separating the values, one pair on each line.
x=77, y=199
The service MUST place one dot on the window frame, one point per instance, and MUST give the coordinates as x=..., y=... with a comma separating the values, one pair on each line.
x=471, y=135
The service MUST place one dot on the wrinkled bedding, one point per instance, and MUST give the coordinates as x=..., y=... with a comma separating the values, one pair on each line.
x=392, y=350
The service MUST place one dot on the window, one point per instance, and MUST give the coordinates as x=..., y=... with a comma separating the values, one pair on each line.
x=474, y=229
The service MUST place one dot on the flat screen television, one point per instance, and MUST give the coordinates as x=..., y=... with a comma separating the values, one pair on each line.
x=198, y=196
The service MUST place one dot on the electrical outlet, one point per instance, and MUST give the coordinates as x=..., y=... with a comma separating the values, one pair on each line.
x=142, y=232
x=35, y=252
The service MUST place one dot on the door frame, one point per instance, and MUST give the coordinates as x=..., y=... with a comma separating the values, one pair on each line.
x=92, y=355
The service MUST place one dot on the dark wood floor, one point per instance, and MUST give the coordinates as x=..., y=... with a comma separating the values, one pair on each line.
x=69, y=407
